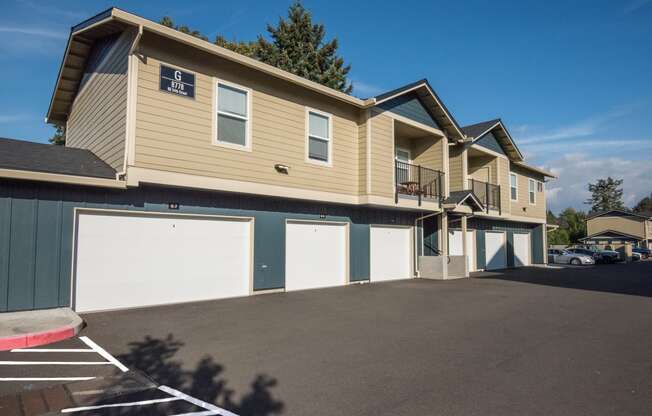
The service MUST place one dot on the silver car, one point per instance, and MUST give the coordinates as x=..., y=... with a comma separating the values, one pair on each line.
x=566, y=257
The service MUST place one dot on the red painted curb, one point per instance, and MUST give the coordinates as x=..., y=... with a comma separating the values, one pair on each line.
x=37, y=338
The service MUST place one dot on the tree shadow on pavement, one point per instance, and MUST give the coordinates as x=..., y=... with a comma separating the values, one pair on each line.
x=155, y=358
x=623, y=278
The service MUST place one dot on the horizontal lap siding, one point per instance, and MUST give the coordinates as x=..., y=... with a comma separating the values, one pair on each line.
x=37, y=221
x=382, y=155
x=503, y=181
x=175, y=133
x=97, y=120
x=363, y=140
x=455, y=168
x=627, y=225
x=538, y=210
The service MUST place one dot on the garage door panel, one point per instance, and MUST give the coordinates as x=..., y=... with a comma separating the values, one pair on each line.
x=127, y=261
x=521, y=249
x=316, y=255
x=390, y=253
x=495, y=250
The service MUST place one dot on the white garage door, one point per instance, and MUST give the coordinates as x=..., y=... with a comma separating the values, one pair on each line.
x=455, y=242
x=521, y=249
x=391, y=253
x=495, y=250
x=315, y=255
x=132, y=260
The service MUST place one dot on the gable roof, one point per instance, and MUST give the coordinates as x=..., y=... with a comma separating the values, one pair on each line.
x=497, y=127
x=457, y=198
x=607, y=234
x=38, y=157
x=431, y=100
x=620, y=213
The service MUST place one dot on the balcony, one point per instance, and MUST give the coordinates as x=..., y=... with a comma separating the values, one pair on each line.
x=418, y=182
x=487, y=193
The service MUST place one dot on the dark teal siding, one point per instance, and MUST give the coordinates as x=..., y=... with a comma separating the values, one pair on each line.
x=430, y=237
x=482, y=225
x=411, y=107
x=490, y=142
x=37, y=219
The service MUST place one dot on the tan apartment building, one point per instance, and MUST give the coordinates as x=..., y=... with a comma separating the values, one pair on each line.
x=191, y=172
x=616, y=227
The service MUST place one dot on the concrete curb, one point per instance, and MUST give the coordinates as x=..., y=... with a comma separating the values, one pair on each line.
x=36, y=338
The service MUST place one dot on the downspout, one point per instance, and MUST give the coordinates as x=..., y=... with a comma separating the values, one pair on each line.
x=416, y=242
x=122, y=174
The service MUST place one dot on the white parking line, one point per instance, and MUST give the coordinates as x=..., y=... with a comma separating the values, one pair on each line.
x=202, y=413
x=196, y=402
x=103, y=353
x=127, y=404
x=46, y=378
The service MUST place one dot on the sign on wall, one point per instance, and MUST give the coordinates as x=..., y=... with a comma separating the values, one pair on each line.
x=177, y=82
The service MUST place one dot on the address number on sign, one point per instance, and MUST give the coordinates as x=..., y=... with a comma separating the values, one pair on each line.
x=177, y=82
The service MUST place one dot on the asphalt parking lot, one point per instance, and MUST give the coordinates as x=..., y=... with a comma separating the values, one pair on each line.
x=531, y=341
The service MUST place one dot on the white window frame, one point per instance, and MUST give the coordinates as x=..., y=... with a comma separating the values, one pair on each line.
x=540, y=184
x=533, y=192
x=329, y=139
x=512, y=174
x=216, y=141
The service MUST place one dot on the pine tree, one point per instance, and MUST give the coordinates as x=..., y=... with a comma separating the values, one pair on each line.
x=298, y=46
x=59, y=137
x=606, y=194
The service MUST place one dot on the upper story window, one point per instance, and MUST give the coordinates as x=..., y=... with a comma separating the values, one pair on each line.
x=513, y=186
x=318, y=146
x=531, y=191
x=539, y=186
x=233, y=116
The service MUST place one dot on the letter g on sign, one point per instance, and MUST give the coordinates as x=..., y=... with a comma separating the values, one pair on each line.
x=177, y=75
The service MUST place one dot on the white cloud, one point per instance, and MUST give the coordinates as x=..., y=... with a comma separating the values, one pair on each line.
x=364, y=90
x=575, y=171
x=34, y=31
x=13, y=118
x=635, y=5
x=42, y=8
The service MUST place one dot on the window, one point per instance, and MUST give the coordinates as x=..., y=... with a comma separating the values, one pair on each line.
x=402, y=157
x=233, y=108
x=531, y=191
x=319, y=138
x=513, y=186
x=539, y=186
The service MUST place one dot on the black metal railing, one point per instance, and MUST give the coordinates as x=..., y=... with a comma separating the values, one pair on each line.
x=418, y=181
x=487, y=193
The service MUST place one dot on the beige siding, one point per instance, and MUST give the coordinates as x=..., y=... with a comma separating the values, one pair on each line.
x=362, y=154
x=98, y=114
x=537, y=210
x=627, y=225
x=382, y=155
x=455, y=161
x=427, y=152
x=175, y=133
x=503, y=180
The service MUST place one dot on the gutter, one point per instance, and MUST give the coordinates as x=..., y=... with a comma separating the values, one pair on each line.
x=62, y=178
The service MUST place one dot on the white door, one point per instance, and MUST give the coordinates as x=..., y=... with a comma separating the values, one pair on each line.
x=470, y=250
x=315, y=255
x=126, y=260
x=455, y=243
x=521, y=249
x=391, y=253
x=495, y=250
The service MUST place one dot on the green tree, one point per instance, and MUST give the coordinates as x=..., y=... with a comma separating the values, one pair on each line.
x=59, y=137
x=644, y=205
x=558, y=237
x=574, y=223
x=606, y=194
x=550, y=218
x=297, y=46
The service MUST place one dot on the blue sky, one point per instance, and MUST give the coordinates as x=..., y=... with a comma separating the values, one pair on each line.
x=571, y=79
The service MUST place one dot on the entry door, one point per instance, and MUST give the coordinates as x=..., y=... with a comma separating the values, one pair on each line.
x=315, y=255
x=391, y=253
x=495, y=250
x=455, y=243
x=126, y=260
x=402, y=168
x=521, y=249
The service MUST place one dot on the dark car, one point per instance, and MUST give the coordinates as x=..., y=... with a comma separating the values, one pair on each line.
x=600, y=256
x=644, y=252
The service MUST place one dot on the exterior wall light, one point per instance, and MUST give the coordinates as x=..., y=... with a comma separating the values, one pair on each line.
x=284, y=169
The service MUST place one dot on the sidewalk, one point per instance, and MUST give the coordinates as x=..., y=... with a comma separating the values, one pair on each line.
x=33, y=328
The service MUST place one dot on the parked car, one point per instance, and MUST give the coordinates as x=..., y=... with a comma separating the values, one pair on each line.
x=636, y=256
x=644, y=252
x=566, y=257
x=585, y=251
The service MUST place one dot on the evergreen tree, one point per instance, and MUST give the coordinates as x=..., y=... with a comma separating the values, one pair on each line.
x=606, y=194
x=297, y=46
x=644, y=205
x=574, y=223
x=59, y=137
